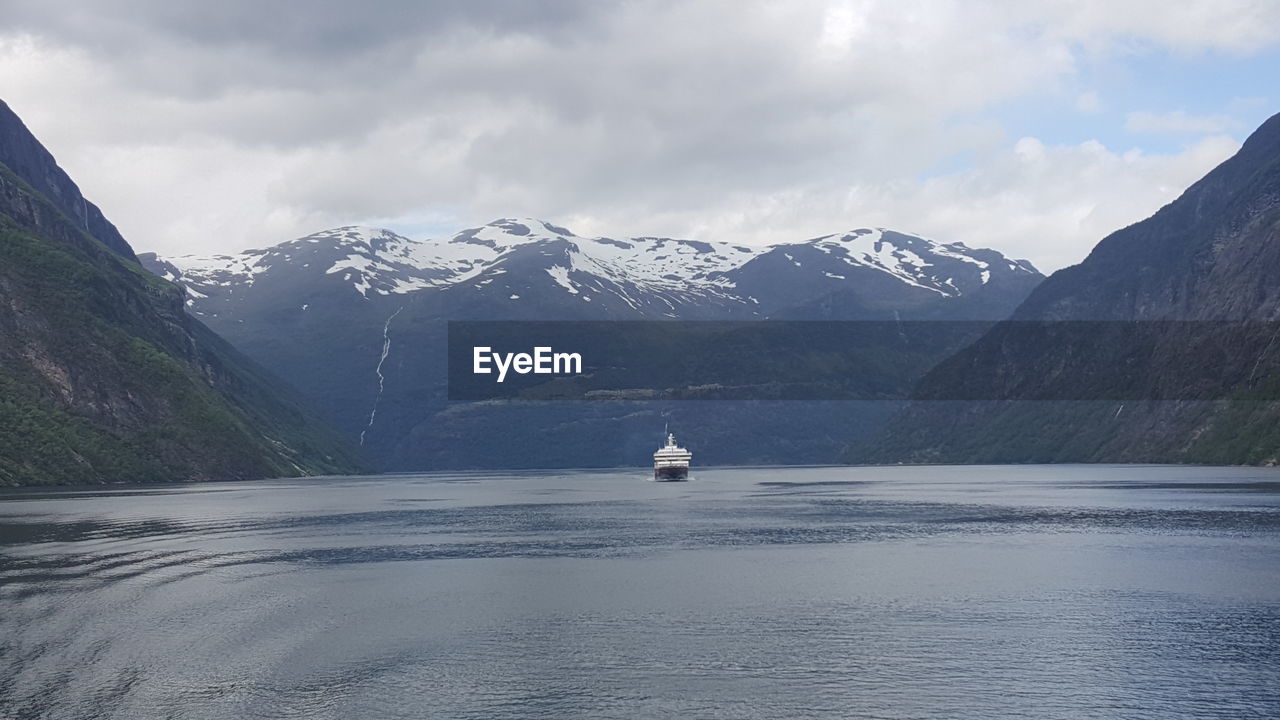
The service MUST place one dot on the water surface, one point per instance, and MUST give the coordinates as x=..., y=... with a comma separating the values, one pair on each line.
x=943, y=592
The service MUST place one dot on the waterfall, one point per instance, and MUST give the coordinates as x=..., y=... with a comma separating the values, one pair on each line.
x=386, y=350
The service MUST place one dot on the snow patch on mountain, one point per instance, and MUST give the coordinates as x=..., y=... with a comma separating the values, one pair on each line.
x=221, y=270
x=917, y=261
x=867, y=247
x=561, y=276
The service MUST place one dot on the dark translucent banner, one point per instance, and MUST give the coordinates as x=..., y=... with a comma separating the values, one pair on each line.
x=862, y=360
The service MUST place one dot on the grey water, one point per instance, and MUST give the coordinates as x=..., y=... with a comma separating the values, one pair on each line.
x=906, y=592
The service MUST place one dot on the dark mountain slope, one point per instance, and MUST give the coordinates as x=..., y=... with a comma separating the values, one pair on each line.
x=30, y=161
x=1181, y=368
x=1206, y=256
x=103, y=376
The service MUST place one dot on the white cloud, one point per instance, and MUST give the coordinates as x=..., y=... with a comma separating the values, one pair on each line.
x=1237, y=26
x=1048, y=204
x=754, y=120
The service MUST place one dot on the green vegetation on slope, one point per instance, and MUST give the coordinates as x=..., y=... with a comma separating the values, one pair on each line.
x=103, y=377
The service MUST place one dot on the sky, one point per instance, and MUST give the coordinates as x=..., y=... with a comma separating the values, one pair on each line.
x=1032, y=128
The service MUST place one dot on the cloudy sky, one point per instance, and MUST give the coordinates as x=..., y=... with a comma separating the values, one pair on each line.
x=212, y=127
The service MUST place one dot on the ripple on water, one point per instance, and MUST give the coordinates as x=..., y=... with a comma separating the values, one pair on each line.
x=1104, y=593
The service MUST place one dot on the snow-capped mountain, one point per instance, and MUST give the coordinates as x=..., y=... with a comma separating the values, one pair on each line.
x=904, y=257
x=356, y=318
x=523, y=260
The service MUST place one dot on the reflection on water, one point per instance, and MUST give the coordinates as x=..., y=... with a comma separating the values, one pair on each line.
x=1060, y=592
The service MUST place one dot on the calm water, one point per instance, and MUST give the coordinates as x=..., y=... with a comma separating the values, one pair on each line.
x=1038, y=592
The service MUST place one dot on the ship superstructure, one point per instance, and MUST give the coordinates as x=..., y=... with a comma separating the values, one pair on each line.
x=671, y=462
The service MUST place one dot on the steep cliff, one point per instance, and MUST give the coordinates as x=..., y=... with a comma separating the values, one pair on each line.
x=1162, y=346
x=103, y=375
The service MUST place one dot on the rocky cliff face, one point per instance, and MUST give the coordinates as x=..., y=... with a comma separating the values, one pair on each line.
x=29, y=160
x=103, y=375
x=1209, y=255
x=1181, y=367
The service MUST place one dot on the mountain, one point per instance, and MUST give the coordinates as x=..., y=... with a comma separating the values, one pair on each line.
x=356, y=318
x=528, y=267
x=26, y=158
x=1163, y=344
x=103, y=375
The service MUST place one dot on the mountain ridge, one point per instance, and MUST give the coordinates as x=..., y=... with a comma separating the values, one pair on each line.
x=103, y=376
x=357, y=317
x=667, y=271
x=1209, y=257
x=31, y=161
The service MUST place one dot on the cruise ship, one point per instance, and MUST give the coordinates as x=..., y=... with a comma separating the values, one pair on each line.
x=671, y=462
